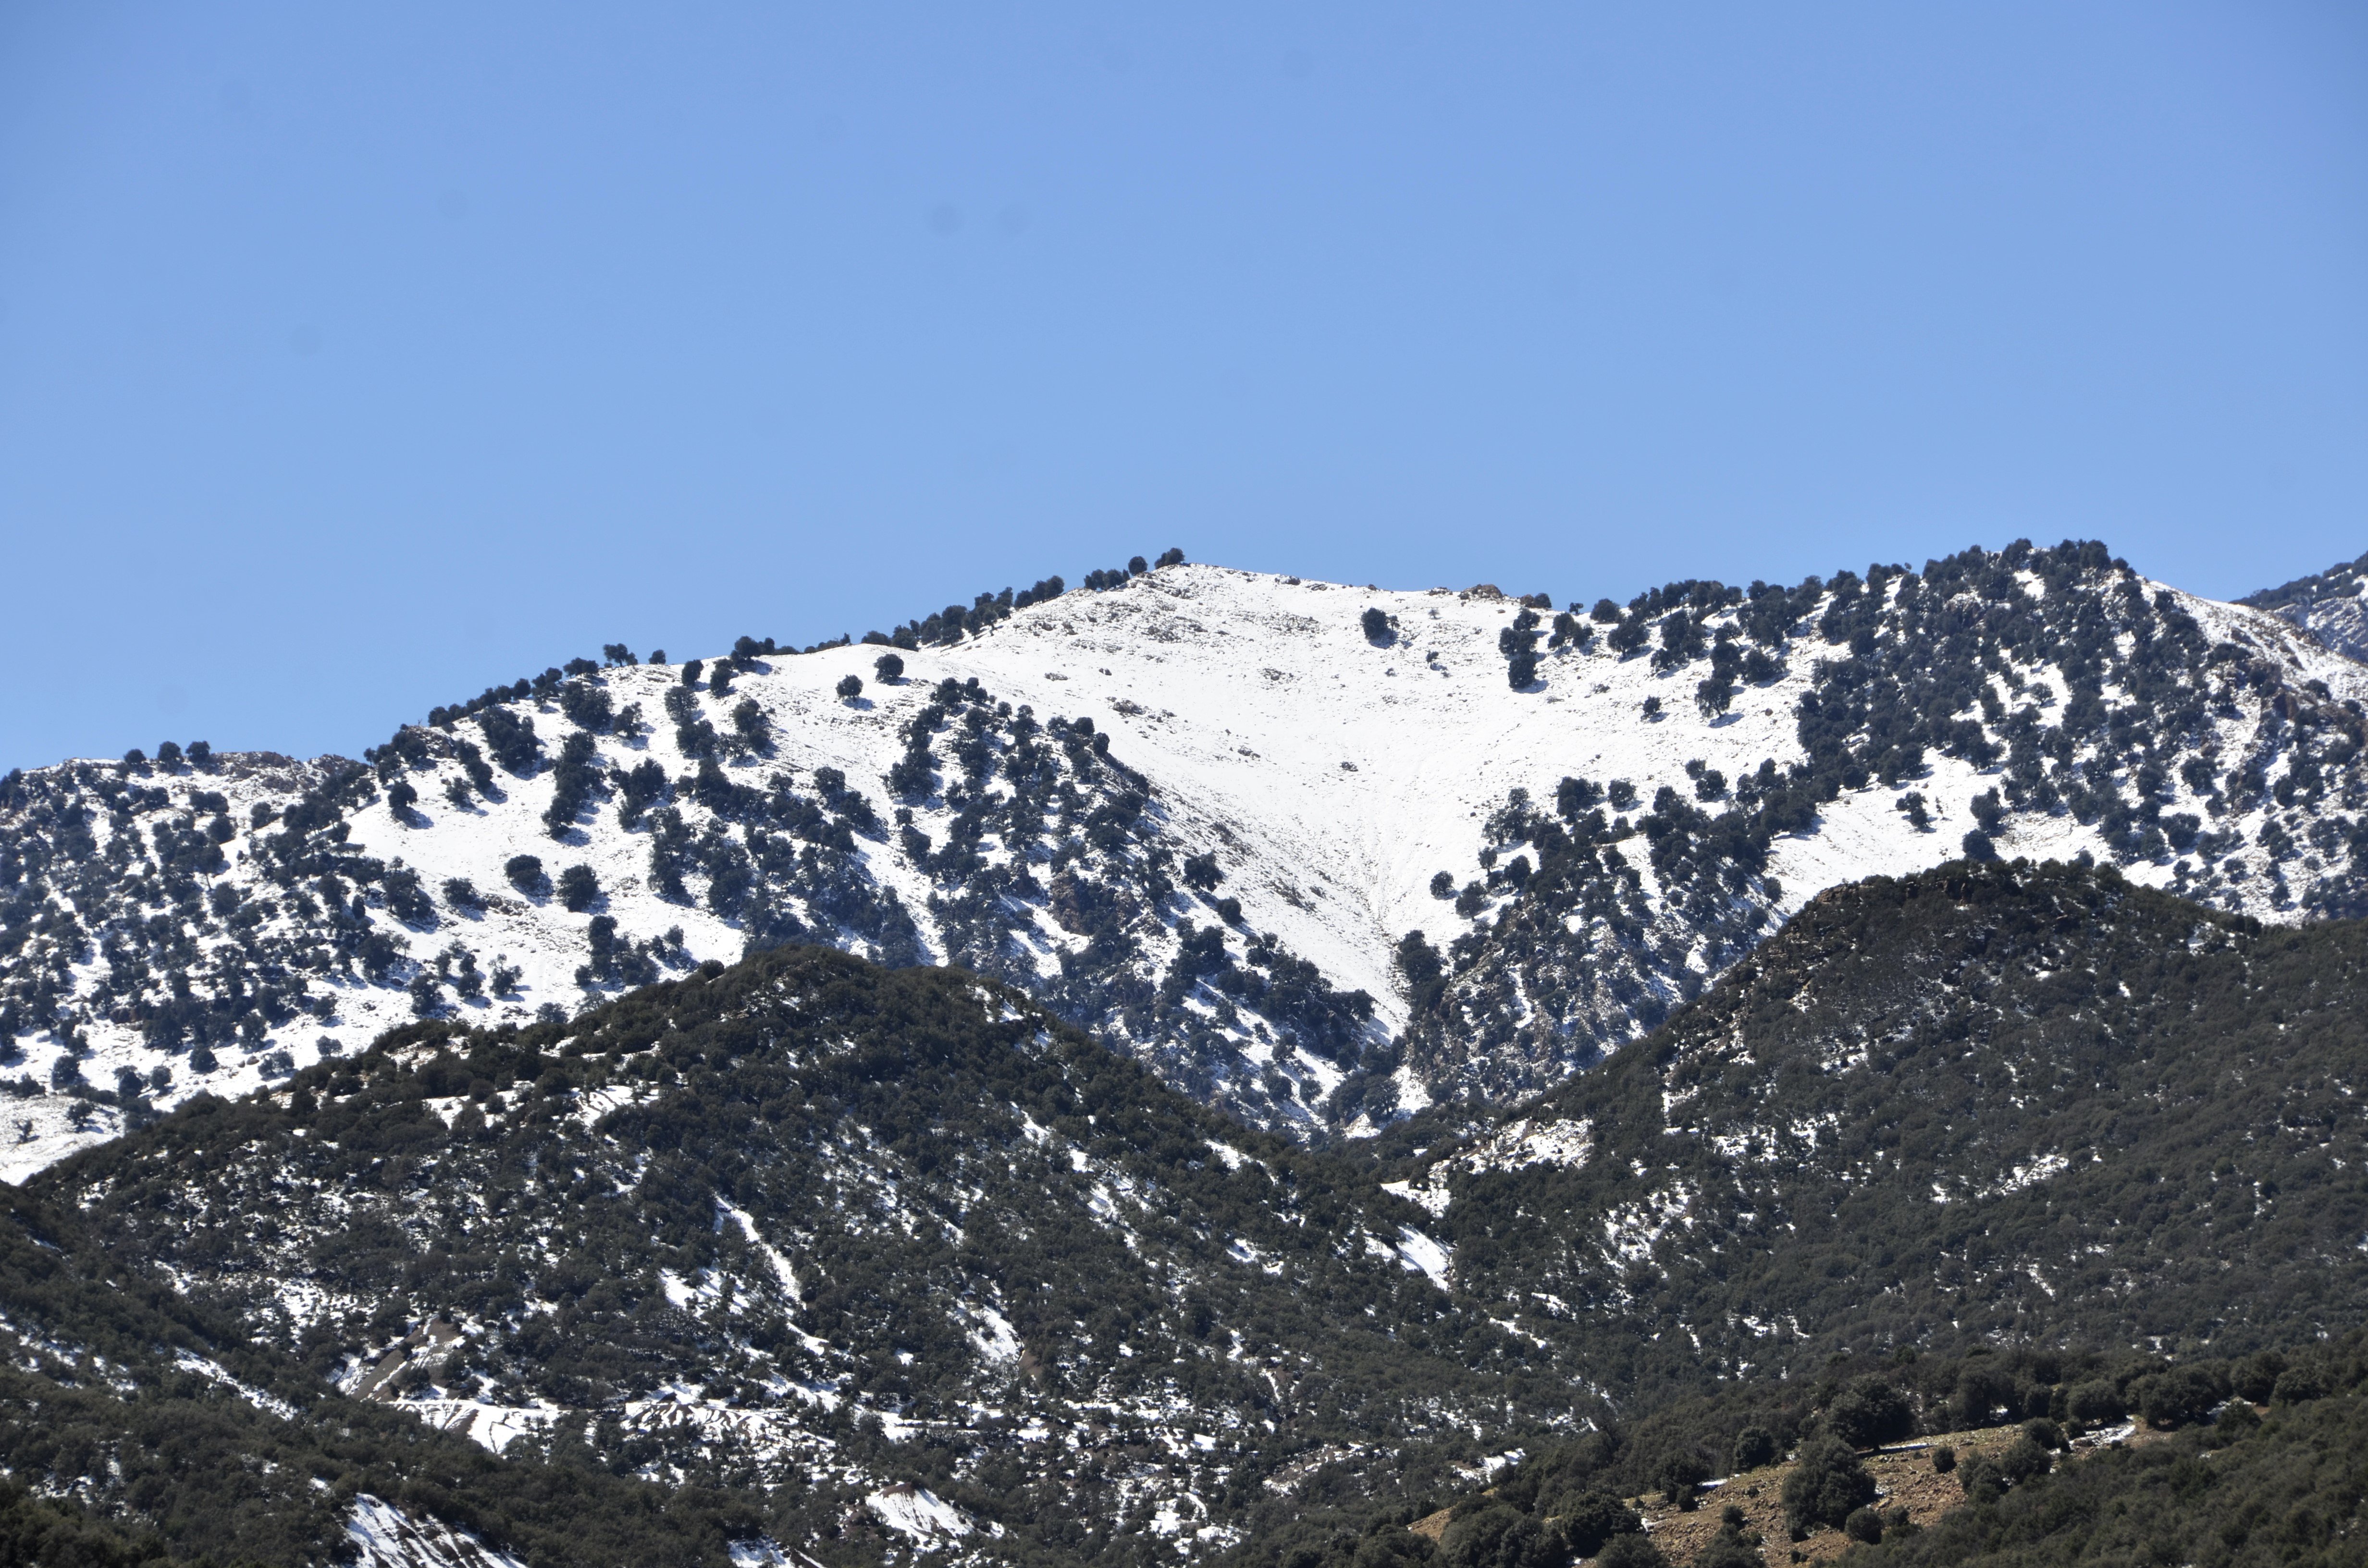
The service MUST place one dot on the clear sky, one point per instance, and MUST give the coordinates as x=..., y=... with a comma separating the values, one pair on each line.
x=355, y=357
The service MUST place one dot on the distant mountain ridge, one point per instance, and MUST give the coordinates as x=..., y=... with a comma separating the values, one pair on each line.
x=1197, y=812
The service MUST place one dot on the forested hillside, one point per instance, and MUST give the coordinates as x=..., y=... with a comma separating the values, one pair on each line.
x=820, y=1234
x=1993, y=1102
x=892, y=1261
x=2000, y=1459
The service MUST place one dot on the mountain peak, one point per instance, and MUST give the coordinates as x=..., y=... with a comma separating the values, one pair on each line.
x=1317, y=855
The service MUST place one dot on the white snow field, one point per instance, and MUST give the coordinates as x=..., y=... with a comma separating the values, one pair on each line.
x=1331, y=774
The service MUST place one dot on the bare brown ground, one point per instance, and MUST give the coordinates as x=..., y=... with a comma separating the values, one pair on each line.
x=1904, y=1475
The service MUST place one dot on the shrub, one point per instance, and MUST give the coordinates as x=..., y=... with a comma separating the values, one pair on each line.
x=405, y=899
x=2178, y=1397
x=511, y=740
x=1826, y=1484
x=1863, y=1525
x=749, y=723
x=889, y=668
x=462, y=893
x=1171, y=558
x=850, y=687
x=2024, y=1460
x=525, y=872
x=2094, y=1401
x=578, y=888
x=1869, y=1414
x=1944, y=1458
x=2299, y=1383
x=1497, y=1536
x=1442, y=884
x=1754, y=1446
x=586, y=705
x=1730, y=1548
x=1377, y=625
x=1594, y=1518
x=571, y=782
x=1680, y=1475
x=1631, y=1551
x=1203, y=871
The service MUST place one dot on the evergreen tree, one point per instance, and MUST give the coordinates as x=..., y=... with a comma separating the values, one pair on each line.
x=1826, y=1484
x=579, y=889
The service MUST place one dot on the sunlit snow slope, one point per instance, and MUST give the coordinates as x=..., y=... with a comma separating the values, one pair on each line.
x=1114, y=739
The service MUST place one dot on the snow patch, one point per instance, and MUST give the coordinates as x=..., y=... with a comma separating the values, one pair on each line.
x=383, y=1535
x=921, y=1513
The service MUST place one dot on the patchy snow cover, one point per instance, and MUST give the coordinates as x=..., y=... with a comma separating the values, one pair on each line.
x=213, y=1371
x=1331, y=776
x=929, y=1519
x=1425, y=1257
x=493, y=1427
x=1515, y=1146
x=383, y=1535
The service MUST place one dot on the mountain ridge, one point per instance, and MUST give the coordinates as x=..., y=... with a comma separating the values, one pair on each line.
x=1213, y=854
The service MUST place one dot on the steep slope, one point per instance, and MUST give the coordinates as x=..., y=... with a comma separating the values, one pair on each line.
x=1987, y=1104
x=1197, y=812
x=923, y=1265
x=2325, y=604
x=895, y=1262
x=136, y=1426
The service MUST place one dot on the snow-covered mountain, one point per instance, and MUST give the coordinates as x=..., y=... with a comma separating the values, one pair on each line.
x=1196, y=809
x=2326, y=604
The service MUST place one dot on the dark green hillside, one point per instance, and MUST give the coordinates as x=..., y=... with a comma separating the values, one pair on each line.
x=2050, y=1458
x=148, y=1423
x=768, y=1246
x=1996, y=1104
x=820, y=1227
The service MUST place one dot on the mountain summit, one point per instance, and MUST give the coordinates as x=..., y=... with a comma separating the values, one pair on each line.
x=1318, y=856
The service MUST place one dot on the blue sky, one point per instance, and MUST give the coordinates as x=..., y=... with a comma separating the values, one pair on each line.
x=354, y=357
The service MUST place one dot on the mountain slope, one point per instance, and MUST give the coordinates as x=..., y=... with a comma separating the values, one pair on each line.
x=895, y=1247
x=2325, y=604
x=1195, y=811
x=895, y=1262
x=135, y=1421
x=1988, y=1104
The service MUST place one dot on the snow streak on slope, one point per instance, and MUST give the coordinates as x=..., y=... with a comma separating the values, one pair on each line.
x=1099, y=774
x=2326, y=604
